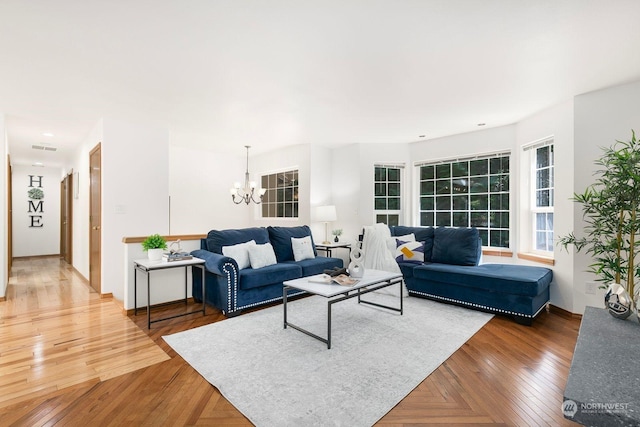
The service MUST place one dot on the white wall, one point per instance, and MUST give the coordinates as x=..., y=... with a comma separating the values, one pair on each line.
x=36, y=223
x=199, y=187
x=4, y=153
x=557, y=122
x=601, y=118
x=135, y=193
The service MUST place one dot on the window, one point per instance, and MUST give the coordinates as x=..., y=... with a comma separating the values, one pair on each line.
x=543, y=197
x=281, y=198
x=470, y=192
x=387, y=194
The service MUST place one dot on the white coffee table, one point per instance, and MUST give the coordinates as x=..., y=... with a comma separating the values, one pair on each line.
x=373, y=280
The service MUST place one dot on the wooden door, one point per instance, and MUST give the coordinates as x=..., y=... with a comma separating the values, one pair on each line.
x=66, y=219
x=10, y=216
x=95, y=219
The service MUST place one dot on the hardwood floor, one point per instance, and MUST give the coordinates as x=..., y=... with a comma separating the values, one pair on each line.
x=506, y=374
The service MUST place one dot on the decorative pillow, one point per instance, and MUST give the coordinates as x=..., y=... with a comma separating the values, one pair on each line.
x=302, y=248
x=280, y=238
x=262, y=255
x=240, y=253
x=410, y=252
x=391, y=241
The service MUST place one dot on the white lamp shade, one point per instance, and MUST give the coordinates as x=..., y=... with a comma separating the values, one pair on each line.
x=325, y=213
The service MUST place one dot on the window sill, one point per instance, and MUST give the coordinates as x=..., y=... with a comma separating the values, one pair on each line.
x=497, y=252
x=536, y=258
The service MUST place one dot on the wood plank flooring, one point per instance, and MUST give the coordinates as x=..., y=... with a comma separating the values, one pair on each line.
x=507, y=374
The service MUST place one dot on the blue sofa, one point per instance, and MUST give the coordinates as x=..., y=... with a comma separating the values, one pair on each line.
x=231, y=289
x=451, y=273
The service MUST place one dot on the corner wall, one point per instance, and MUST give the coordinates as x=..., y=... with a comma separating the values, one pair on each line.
x=4, y=156
x=601, y=118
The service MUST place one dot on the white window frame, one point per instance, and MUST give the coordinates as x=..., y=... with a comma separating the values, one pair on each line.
x=398, y=212
x=534, y=210
x=293, y=169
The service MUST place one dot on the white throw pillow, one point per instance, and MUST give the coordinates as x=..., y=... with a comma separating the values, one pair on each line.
x=239, y=252
x=391, y=242
x=302, y=248
x=262, y=255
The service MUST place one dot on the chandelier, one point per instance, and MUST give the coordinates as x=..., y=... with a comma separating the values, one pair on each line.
x=246, y=193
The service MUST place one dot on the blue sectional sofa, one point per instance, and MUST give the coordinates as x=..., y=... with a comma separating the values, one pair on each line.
x=233, y=289
x=451, y=273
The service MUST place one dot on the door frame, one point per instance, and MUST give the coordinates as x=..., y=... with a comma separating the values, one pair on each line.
x=95, y=271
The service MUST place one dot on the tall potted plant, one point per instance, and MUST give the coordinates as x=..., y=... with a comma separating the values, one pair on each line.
x=610, y=209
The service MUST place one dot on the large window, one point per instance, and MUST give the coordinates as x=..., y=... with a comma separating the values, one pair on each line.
x=468, y=193
x=281, y=198
x=542, y=204
x=387, y=194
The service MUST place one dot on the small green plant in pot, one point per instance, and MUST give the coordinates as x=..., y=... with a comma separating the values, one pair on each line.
x=610, y=209
x=337, y=233
x=154, y=245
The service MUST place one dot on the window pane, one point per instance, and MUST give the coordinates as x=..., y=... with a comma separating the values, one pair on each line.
x=427, y=203
x=288, y=195
x=495, y=165
x=542, y=198
x=393, y=203
x=479, y=219
x=443, y=219
x=460, y=203
x=380, y=189
x=460, y=186
x=541, y=241
x=265, y=210
x=443, y=171
x=542, y=157
x=281, y=180
x=550, y=221
x=394, y=189
x=443, y=203
x=280, y=210
x=393, y=175
x=460, y=169
x=460, y=219
x=480, y=184
x=426, y=219
x=484, y=235
x=280, y=195
x=504, y=220
x=393, y=220
x=542, y=179
x=443, y=186
x=380, y=174
x=381, y=219
x=478, y=167
x=427, y=172
x=427, y=188
x=498, y=183
x=479, y=202
x=288, y=210
x=540, y=221
x=550, y=241
x=380, y=203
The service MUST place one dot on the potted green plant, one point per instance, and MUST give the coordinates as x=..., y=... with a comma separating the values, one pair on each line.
x=610, y=210
x=154, y=245
x=337, y=233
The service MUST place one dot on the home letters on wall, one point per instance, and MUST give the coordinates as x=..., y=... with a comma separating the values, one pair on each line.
x=35, y=202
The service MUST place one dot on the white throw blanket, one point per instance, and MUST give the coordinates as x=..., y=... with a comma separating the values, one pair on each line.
x=377, y=255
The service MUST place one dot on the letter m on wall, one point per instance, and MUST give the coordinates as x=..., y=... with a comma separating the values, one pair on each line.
x=35, y=207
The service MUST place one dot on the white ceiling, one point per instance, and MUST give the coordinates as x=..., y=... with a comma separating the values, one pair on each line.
x=223, y=74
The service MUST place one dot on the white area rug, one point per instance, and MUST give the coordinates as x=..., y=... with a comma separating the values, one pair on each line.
x=282, y=377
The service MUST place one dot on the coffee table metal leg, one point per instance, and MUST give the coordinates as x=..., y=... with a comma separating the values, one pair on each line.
x=329, y=325
x=284, y=302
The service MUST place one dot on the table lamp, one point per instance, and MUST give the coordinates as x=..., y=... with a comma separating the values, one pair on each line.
x=326, y=214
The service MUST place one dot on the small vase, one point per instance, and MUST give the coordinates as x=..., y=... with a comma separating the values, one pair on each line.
x=336, y=239
x=154, y=254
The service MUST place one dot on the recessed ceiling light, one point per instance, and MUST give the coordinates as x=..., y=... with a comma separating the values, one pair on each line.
x=47, y=134
x=38, y=164
x=422, y=136
x=481, y=124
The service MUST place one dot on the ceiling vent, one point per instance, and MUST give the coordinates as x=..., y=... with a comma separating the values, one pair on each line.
x=42, y=147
